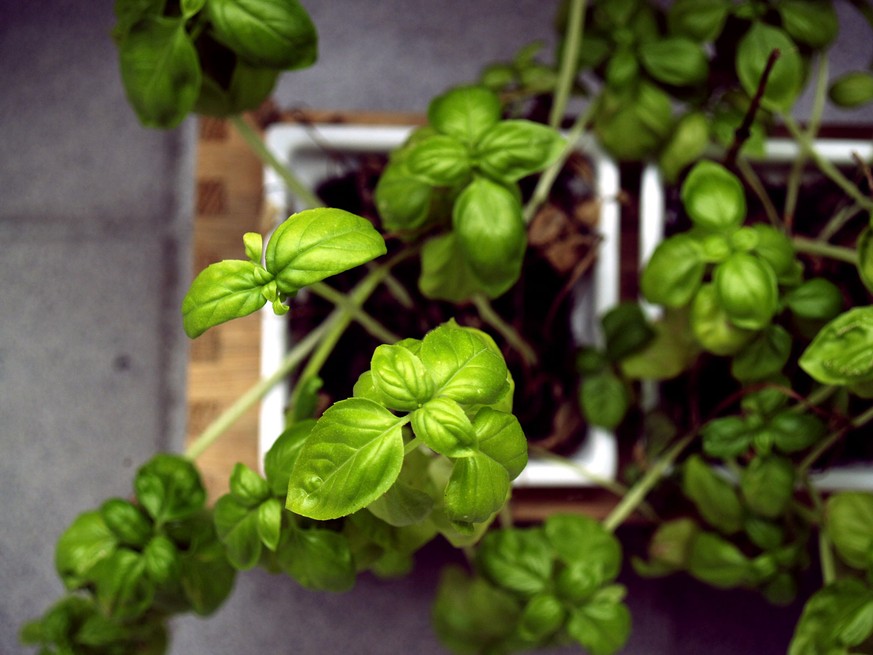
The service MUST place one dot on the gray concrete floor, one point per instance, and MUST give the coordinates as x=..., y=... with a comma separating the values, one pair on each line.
x=95, y=220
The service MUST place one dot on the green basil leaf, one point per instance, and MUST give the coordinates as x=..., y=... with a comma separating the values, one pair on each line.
x=622, y=69
x=812, y=22
x=726, y=437
x=669, y=548
x=764, y=356
x=767, y=486
x=160, y=71
x=222, y=291
x=838, y=616
x=169, y=488
x=317, y=243
x=280, y=459
x=318, y=559
x=718, y=562
x=712, y=326
x=701, y=20
x=500, y=437
x=191, y=7
x=445, y=272
x=672, y=351
x=865, y=258
x=746, y=289
x=714, y=497
x=842, y=352
x=576, y=538
x=403, y=200
x=444, y=427
x=352, y=456
x=237, y=528
x=249, y=488
x=514, y=149
x=604, y=399
x=266, y=33
x=477, y=489
x=792, y=432
x=714, y=197
x=128, y=12
x=270, y=522
x=400, y=378
x=786, y=78
x=207, y=577
x=852, y=89
x=122, y=588
x=601, y=627
x=674, y=60
x=162, y=561
x=463, y=365
x=849, y=524
x=490, y=230
x=519, y=560
x=542, y=616
x=644, y=110
x=472, y=616
x=402, y=505
x=126, y=522
x=86, y=542
x=626, y=330
x=465, y=113
x=242, y=87
x=775, y=248
x=439, y=160
x=675, y=271
x=687, y=144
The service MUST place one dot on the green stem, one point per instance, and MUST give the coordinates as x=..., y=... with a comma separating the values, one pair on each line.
x=340, y=300
x=637, y=494
x=754, y=182
x=838, y=221
x=832, y=439
x=569, y=61
x=814, y=247
x=825, y=549
x=513, y=338
x=246, y=401
x=256, y=143
x=828, y=168
x=411, y=445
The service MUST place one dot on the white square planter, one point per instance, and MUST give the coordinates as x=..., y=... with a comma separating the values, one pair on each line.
x=302, y=148
x=781, y=151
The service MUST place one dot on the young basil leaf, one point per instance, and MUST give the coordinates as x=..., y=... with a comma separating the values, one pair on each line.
x=402, y=199
x=835, y=618
x=266, y=33
x=122, y=588
x=207, y=577
x=237, y=528
x=402, y=505
x=786, y=78
x=626, y=330
x=465, y=113
x=767, y=486
x=352, y=456
x=160, y=70
x=675, y=271
x=672, y=351
x=674, y=60
x=318, y=559
x=775, y=248
x=463, y=366
x=849, y=524
x=712, y=326
x=191, y=7
x=669, y=548
x=601, y=627
x=577, y=538
x=500, y=437
x=222, y=291
x=718, y=562
x=604, y=399
x=726, y=437
x=477, y=489
x=442, y=424
x=852, y=89
x=490, y=230
x=713, y=197
x=622, y=69
x=520, y=560
x=162, y=561
x=87, y=541
x=644, y=110
x=246, y=90
x=280, y=459
x=542, y=616
x=317, y=243
x=472, y=616
x=842, y=352
x=400, y=378
x=810, y=22
x=714, y=497
x=445, y=272
x=746, y=288
x=126, y=521
x=439, y=160
x=701, y=20
x=249, y=488
x=792, y=432
x=687, y=144
x=169, y=488
x=270, y=522
x=514, y=149
x=764, y=356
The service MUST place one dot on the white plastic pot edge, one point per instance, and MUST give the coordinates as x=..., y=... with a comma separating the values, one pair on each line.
x=652, y=209
x=295, y=145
